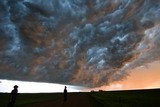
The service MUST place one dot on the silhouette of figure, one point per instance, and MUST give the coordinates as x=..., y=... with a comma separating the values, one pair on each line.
x=65, y=94
x=13, y=96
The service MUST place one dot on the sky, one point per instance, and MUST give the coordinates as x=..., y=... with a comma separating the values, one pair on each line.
x=87, y=43
x=145, y=77
x=6, y=86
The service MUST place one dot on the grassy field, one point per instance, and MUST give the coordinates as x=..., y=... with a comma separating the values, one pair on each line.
x=26, y=99
x=135, y=98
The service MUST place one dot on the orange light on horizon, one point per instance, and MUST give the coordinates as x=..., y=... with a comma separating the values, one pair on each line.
x=140, y=78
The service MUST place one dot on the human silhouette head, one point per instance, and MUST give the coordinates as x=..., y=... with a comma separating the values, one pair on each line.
x=15, y=87
x=65, y=87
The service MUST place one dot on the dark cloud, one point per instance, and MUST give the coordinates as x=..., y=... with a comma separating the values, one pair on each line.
x=80, y=42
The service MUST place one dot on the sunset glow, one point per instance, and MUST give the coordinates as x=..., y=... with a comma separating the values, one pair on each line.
x=145, y=77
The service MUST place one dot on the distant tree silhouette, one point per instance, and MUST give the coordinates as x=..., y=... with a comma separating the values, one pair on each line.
x=13, y=95
x=65, y=94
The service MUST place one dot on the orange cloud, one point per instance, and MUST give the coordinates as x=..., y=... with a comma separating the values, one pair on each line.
x=140, y=78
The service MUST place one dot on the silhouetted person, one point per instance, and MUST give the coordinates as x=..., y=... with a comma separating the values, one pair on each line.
x=13, y=96
x=65, y=94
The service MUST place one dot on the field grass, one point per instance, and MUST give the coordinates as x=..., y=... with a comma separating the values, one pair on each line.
x=24, y=99
x=135, y=98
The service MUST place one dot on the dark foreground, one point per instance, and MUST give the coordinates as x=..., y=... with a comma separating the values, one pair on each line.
x=135, y=98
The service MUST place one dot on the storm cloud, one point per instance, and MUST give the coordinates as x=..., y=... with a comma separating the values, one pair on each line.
x=79, y=42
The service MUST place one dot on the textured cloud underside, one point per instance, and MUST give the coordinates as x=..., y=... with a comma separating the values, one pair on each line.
x=79, y=42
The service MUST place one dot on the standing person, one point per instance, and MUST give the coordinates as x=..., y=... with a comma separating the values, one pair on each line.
x=65, y=94
x=13, y=96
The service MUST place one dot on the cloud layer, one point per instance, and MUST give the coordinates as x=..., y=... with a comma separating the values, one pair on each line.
x=81, y=42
